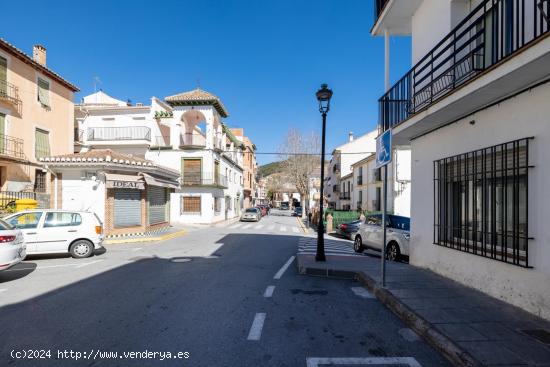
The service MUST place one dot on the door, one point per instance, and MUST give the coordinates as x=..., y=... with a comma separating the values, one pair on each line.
x=2, y=132
x=127, y=211
x=59, y=230
x=28, y=223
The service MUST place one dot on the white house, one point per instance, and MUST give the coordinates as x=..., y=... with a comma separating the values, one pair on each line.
x=474, y=109
x=185, y=132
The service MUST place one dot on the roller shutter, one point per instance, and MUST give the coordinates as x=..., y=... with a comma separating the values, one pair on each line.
x=127, y=208
x=158, y=201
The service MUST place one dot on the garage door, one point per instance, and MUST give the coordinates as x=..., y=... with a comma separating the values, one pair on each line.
x=127, y=208
x=157, y=204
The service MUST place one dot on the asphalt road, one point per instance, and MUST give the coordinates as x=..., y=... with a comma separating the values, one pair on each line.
x=218, y=296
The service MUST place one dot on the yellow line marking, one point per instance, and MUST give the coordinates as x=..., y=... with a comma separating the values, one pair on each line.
x=120, y=241
x=302, y=226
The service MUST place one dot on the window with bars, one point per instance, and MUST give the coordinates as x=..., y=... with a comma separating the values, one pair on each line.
x=41, y=143
x=39, y=181
x=481, y=202
x=190, y=205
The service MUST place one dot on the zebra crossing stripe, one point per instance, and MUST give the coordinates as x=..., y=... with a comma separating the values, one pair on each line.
x=259, y=226
x=283, y=229
x=295, y=230
x=247, y=226
x=236, y=225
x=271, y=227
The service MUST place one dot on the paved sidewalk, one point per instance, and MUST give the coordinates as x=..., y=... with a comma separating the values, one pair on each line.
x=467, y=326
x=164, y=234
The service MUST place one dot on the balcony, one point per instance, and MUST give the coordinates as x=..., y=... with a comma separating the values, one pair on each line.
x=336, y=188
x=11, y=148
x=125, y=133
x=9, y=93
x=192, y=140
x=203, y=179
x=491, y=34
x=345, y=196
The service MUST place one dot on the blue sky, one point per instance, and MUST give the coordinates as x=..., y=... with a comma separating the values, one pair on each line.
x=264, y=59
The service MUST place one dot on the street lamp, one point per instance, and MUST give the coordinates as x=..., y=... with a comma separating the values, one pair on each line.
x=323, y=96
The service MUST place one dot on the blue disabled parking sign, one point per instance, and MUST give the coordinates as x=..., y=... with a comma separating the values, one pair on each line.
x=383, y=149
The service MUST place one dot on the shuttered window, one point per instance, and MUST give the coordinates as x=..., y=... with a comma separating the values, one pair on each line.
x=190, y=205
x=191, y=171
x=44, y=92
x=3, y=76
x=157, y=198
x=127, y=208
x=41, y=143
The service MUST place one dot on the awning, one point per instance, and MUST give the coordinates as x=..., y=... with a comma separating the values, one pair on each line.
x=118, y=181
x=156, y=181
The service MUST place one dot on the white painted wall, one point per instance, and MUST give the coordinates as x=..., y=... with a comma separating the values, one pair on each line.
x=523, y=116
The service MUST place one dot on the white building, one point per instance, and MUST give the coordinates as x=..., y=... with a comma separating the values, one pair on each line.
x=184, y=132
x=474, y=109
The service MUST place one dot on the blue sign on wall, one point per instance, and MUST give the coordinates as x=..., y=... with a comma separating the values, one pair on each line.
x=383, y=149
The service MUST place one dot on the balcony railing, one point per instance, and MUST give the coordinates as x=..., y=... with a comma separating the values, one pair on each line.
x=161, y=141
x=379, y=6
x=9, y=92
x=345, y=196
x=494, y=31
x=119, y=133
x=336, y=188
x=192, y=140
x=203, y=179
x=12, y=147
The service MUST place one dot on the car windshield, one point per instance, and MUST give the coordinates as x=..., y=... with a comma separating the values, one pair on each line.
x=251, y=210
x=5, y=225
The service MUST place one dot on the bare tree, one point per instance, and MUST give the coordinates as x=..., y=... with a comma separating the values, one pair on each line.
x=301, y=159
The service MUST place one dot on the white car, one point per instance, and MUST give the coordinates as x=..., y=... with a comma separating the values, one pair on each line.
x=251, y=215
x=12, y=246
x=371, y=233
x=50, y=231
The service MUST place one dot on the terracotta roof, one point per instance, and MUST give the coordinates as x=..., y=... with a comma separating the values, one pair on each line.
x=29, y=60
x=104, y=156
x=197, y=97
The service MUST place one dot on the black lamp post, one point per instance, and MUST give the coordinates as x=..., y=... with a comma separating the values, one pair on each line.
x=323, y=96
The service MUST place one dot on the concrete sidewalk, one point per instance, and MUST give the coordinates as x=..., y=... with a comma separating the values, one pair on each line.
x=467, y=326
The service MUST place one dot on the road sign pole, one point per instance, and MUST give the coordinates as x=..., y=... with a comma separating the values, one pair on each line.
x=384, y=216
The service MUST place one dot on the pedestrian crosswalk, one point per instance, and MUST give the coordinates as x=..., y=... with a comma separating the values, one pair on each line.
x=267, y=227
x=308, y=246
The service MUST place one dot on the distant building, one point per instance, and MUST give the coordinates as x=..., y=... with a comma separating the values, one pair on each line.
x=249, y=168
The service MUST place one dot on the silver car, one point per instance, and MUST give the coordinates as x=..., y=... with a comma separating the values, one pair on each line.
x=370, y=236
x=251, y=215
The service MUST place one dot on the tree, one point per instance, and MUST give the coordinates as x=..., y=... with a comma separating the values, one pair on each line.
x=300, y=160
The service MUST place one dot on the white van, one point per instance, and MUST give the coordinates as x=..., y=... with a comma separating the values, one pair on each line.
x=50, y=231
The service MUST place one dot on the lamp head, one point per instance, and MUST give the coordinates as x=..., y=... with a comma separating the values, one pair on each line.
x=323, y=96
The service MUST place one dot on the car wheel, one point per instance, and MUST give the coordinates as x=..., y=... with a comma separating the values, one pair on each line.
x=358, y=245
x=392, y=251
x=81, y=249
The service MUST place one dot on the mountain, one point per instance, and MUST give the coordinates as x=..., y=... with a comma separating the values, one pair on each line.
x=270, y=168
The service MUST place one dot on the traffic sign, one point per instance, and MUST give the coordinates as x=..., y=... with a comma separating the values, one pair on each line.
x=383, y=149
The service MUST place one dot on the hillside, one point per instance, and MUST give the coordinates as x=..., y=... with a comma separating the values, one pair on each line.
x=269, y=169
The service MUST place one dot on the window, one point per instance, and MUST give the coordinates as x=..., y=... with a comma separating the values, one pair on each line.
x=41, y=143
x=218, y=205
x=40, y=181
x=43, y=92
x=374, y=220
x=480, y=202
x=190, y=205
x=360, y=196
x=191, y=171
x=62, y=219
x=25, y=220
x=360, y=176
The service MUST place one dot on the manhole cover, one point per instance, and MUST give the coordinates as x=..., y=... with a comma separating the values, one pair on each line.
x=541, y=335
x=180, y=260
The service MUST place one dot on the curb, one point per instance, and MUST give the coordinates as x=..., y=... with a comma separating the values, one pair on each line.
x=450, y=350
x=144, y=239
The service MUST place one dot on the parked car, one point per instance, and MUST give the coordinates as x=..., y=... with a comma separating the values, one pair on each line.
x=12, y=246
x=370, y=235
x=262, y=209
x=297, y=211
x=251, y=215
x=284, y=206
x=348, y=230
x=50, y=231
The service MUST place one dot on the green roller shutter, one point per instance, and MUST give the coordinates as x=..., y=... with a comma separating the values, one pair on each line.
x=44, y=92
x=157, y=198
x=3, y=76
x=42, y=143
x=2, y=131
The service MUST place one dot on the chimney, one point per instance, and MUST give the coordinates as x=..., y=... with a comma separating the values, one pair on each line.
x=350, y=136
x=39, y=54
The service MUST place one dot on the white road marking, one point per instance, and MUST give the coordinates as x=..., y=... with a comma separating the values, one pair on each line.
x=283, y=229
x=257, y=326
x=5, y=289
x=409, y=335
x=283, y=269
x=88, y=263
x=137, y=249
x=295, y=230
x=259, y=226
x=271, y=227
x=362, y=292
x=269, y=291
x=408, y=361
x=247, y=226
x=236, y=225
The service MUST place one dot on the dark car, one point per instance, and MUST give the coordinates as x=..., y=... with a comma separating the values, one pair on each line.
x=297, y=211
x=347, y=230
x=284, y=206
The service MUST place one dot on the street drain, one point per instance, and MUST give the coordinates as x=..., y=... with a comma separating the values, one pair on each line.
x=541, y=335
x=180, y=260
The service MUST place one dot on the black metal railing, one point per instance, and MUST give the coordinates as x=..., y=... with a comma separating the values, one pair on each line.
x=119, y=133
x=492, y=32
x=11, y=146
x=8, y=199
x=203, y=179
x=9, y=92
x=379, y=6
x=345, y=196
x=481, y=202
x=336, y=188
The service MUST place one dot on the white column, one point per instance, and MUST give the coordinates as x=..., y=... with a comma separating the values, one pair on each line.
x=209, y=132
x=387, y=60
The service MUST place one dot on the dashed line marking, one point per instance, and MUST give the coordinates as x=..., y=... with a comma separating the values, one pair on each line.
x=257, y=326
x=283, y=269
x=409, y=335
x=137, y=249
x=3, y=290
x=88, y=263
x=362, y=292
x=269, y=291
x=407, y=361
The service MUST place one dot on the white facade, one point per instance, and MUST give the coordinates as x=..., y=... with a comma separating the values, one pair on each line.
x=169, y=134
x=503, y=101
